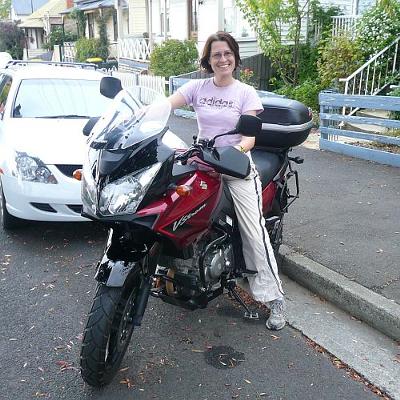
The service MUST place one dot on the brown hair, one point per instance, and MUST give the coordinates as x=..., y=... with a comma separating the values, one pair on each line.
x=216, y=37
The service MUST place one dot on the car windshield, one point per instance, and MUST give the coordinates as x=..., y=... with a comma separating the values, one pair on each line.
x=59, y=98
x=136, y=114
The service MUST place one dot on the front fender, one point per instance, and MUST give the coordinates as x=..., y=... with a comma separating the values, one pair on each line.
x=113, y=273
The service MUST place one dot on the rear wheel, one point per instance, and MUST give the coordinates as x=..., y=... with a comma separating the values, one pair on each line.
x=7, y=220
x=108, y=331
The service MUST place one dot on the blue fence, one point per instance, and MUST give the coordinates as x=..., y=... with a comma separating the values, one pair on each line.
x=332, y=121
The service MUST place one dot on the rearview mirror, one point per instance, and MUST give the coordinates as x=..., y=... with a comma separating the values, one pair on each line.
x=249, y=125
x=89, y=125
x=110, y=86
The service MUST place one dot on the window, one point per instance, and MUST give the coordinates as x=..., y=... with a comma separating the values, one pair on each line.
x=234, y=21
x=5, y=86
x=58, y=98
x=90, y=20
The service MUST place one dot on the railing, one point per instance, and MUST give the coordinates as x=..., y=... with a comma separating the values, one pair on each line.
x=331, y=118
x=68, y=52
x=132, y=48
x=377, y=73
x=344, y=25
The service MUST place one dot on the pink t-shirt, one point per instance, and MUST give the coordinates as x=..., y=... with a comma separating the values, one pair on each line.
x=218, y=108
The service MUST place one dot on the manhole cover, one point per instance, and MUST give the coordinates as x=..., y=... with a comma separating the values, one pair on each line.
x=223, y=357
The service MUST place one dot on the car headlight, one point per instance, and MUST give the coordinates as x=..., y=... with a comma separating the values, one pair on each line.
x=32, y=169
x=124, y=195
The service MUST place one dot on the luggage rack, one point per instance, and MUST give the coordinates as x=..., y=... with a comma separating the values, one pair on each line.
x=22, y=63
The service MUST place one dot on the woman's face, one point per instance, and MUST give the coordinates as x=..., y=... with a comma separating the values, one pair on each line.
x=222, y=59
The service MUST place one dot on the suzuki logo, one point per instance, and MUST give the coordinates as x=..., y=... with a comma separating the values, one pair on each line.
x=185, y=218
x=203, y=185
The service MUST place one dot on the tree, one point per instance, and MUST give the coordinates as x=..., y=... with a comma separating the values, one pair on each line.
x=11, y=39
x=280, y=28
x=5, y=9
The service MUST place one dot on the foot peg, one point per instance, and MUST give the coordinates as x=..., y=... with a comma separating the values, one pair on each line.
x=244, y=273
x=232, y=291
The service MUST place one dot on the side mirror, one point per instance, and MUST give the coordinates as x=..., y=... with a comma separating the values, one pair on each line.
x=249, y=125
x=89, y=125
x=110, y=86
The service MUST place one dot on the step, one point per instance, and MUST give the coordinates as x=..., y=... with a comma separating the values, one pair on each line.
x=366, y=128
x=371, y=113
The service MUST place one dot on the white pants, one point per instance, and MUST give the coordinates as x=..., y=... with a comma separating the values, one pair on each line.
x=258, y=254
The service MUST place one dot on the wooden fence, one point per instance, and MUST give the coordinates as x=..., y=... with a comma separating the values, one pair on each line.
x=259, y=64
x=332, y=119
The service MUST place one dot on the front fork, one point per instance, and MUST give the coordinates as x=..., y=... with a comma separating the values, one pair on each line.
x=120, y=262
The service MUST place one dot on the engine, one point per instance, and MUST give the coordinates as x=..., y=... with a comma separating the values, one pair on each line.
x=216, y=259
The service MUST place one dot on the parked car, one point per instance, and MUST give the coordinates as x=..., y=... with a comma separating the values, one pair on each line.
x=43, y=108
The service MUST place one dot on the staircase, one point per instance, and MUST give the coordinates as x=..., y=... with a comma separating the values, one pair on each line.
x=377, y=73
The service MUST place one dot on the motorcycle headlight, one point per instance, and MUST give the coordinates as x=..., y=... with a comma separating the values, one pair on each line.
x=124, y=195
x=32, y=169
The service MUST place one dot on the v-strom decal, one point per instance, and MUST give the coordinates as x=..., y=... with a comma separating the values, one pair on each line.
x=181, y=221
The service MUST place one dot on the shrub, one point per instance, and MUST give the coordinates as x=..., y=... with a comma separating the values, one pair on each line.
x=173, y=57
x=378, y=27
x=57, y=36
x=339, y=58
x=11, y=39
x=246, y=75
x=307, y=93
x=86, y=48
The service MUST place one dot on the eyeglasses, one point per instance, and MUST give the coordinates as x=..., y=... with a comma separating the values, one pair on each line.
x=218, y=56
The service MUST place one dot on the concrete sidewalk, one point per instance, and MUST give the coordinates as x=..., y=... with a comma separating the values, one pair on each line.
x=343, y=233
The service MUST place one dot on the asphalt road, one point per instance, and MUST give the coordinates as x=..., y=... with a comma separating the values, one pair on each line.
x=47, y=286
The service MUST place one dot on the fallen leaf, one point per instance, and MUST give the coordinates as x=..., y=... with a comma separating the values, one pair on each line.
x=197, y=351
x=274, y=337
x=123, y=369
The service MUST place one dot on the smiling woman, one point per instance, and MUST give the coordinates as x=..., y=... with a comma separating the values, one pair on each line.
x=59, y=98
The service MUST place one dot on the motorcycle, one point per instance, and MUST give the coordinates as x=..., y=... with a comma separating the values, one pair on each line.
x=173, y=233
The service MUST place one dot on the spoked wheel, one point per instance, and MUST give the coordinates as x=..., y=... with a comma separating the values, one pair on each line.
x=7, y=220
x=108, y=331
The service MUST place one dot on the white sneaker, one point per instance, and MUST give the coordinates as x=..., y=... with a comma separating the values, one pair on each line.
x=276, y=319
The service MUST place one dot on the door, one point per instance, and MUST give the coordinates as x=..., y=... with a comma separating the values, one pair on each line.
x=193, y=7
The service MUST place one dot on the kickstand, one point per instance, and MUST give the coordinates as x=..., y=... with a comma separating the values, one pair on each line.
x=232, y=291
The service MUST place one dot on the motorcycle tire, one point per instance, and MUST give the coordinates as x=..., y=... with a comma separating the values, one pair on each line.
x=108, y=331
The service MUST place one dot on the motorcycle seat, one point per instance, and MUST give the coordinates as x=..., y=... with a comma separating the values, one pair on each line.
x=267, y=164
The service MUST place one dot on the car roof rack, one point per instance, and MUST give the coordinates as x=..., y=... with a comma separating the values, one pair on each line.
x=16, y=63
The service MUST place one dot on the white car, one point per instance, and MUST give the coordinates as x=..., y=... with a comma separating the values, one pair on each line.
x=43, y=108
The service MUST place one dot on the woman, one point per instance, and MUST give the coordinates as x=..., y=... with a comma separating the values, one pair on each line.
x=219, y=102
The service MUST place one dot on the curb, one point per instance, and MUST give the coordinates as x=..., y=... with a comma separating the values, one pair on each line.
x=364, y=304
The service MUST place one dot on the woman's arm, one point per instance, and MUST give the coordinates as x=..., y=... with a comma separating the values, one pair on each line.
x=177, y=100
x=247, y=142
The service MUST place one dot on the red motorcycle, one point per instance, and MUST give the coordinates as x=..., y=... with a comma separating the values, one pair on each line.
x=173, y=233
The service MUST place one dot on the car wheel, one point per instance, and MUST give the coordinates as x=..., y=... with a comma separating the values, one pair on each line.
x=7, y=220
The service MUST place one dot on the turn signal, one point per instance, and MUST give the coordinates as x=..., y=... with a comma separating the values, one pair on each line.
x=77, y=174
x=183, y=190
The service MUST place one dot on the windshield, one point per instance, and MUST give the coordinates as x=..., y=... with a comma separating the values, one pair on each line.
x=59, y=98
x=130, y=119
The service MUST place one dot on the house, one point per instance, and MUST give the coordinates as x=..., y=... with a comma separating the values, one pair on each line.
x=38, y=25
x=22, y=9
x=106, y=8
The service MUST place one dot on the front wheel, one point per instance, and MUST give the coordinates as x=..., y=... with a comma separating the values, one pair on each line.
x=7, y=221
x=108, y=331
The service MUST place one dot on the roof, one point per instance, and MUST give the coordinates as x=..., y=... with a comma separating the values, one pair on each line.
x=94, y=4
x=44, y=71
x=26, y=7
x=52, y=8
